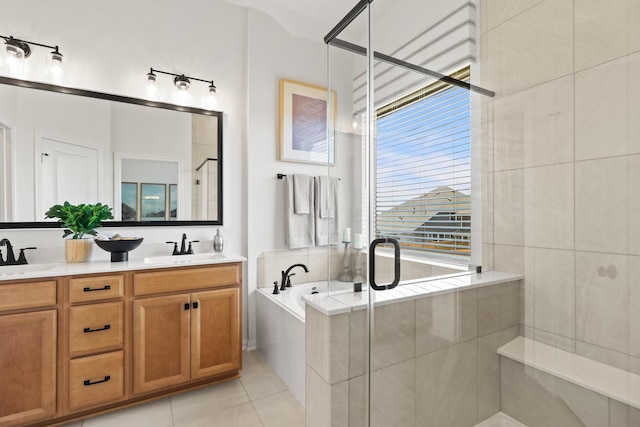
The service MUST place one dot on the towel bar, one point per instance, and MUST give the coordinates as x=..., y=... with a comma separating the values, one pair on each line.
x=281, y=176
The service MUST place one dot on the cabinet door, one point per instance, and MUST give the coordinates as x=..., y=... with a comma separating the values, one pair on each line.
x=27, y=367
x=215, y=332
x=161, y=342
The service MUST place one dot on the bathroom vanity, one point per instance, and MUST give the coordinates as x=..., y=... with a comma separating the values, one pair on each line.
x=83, y=339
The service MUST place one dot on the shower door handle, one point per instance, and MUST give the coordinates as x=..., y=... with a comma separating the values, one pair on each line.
x=372, y=264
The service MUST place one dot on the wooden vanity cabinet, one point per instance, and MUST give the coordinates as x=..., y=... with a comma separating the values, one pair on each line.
x=74, y=346
x=186, y=336
x=28, y=335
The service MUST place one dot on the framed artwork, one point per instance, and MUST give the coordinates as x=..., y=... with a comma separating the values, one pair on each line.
x=307, y=122
x=153, y=205
x=129, y=196
x=173, y=202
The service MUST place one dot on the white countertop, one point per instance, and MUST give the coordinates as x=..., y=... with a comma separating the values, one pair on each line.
x=346, y=301
x=31, y=271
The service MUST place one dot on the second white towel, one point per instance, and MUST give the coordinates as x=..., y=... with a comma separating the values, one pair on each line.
x=326, y=211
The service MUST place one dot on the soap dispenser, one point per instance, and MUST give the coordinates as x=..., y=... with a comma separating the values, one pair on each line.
x=218, y=242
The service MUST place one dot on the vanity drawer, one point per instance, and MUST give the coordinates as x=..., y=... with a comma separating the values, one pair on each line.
x=96, y=288
x=27, y=295
x=95, y=327
x=185, y=279
x=96, y=380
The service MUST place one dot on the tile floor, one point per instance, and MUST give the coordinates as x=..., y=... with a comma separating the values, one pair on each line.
x=258, y=399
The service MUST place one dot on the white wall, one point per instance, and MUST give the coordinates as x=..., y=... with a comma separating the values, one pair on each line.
x=274, y=54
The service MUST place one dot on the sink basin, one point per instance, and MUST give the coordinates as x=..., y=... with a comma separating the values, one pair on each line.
x=182, y=259
x=17, y=270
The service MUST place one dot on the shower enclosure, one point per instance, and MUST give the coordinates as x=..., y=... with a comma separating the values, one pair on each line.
x=494, y=152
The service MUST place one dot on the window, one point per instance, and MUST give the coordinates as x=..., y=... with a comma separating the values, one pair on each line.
x=423, y=179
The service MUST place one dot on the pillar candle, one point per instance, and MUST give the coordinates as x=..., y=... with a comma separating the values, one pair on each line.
x=346, y=235
x=358, y=241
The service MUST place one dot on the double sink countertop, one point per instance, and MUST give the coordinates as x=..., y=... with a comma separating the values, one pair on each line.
x=29, y=271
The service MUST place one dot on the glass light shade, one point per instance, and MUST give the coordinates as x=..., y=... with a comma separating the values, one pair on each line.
x=151, y=90
x=211, y=99
x=13, y=61
x=55, y=68
x=182, y=82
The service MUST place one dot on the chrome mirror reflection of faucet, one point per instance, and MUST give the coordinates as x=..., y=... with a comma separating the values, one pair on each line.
x=11, y=257
x=286, y=276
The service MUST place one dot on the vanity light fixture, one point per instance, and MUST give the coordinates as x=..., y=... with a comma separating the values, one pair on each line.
x=182, y=83
x=17, y=50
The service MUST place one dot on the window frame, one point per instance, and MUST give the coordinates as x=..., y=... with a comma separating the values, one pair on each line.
x=410, y=98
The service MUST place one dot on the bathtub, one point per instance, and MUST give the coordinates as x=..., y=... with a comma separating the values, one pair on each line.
x=280, y=331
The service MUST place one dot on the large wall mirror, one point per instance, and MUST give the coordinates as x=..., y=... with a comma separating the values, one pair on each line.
x=153, y=163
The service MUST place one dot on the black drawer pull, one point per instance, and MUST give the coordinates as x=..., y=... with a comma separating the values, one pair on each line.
x=106, y=288
x=187, y=305
x=195, y=304
x=88, y=382
x=87, y=330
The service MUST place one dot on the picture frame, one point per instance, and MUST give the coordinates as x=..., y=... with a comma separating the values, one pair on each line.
x=307, y=123
x=153, y=202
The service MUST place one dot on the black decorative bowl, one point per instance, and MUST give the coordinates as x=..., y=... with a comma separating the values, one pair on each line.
x=119, y=248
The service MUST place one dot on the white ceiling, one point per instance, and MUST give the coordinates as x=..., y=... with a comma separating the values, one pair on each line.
x=311, y=19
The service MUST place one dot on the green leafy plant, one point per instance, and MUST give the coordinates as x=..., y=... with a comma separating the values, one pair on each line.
x=81, y=219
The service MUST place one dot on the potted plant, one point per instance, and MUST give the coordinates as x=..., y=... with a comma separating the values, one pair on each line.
x=77, y=221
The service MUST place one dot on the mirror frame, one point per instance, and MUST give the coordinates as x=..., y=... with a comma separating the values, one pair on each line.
x=128, y=100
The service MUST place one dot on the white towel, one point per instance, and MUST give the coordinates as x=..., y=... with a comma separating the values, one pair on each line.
x=327, y=196
x=327, y=227
x=302, y=193
x=300, y=230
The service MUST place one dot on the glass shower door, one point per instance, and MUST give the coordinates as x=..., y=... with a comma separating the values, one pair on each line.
x=406, y=133
x=558, y=155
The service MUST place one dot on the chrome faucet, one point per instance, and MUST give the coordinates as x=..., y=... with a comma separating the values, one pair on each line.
x=286, y=276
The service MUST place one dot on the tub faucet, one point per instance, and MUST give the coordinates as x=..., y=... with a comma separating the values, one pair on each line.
x=286, y=276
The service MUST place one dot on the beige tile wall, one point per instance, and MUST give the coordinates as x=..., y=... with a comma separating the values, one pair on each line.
x=434, y=359
x=561, y=159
